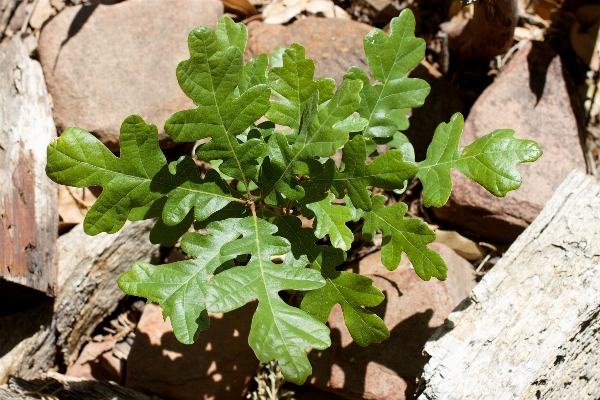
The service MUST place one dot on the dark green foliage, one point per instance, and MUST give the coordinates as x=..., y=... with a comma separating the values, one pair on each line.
x=247, y=206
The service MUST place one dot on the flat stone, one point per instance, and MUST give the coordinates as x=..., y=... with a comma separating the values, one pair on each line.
x=532, y=97
x=412, y=310
x=334, y=44
x=106, y=62
x=97, y=362
x=218, y=366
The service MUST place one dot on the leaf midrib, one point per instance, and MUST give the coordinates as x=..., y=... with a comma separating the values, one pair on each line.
x=133, y=177
x=384, y=84
x=461, y=158
x=289, y=165
x=213, y=92
x=264, y=282
x=403, y=236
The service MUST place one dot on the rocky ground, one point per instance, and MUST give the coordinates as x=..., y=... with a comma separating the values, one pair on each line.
x=104, y=60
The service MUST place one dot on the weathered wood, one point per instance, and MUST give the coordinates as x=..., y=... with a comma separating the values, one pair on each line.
x=57, y=386
x=87, y=293
x=28, y=199
x=531, y=328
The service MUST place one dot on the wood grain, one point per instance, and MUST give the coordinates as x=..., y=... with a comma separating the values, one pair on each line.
x=28, y=199
x=530, y=328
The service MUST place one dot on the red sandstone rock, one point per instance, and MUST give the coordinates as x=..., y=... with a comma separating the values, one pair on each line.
x=97, y=362
x=530, y=96
x=413, y=309
x=218, y=366
x=103, y=63
x=334, y=44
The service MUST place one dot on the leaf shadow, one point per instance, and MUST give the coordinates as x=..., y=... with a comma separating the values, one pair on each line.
x=538, y=62
x=401, y=354
x=219, y=365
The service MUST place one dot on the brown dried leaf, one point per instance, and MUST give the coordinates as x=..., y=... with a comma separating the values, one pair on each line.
x=464, y=247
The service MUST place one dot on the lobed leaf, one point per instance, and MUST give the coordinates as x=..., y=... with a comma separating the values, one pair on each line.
x=278, y=331
x=292, y=85
x=319, y=136
x=229, y=96
x=388, y=171
x=351, y=291
x=180, y=287
x=330, y=219
x=137, y=179
x=400, y=234
x=390, y=58
x=490, y=161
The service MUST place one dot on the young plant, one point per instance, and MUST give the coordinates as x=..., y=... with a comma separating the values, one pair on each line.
x=247, y=207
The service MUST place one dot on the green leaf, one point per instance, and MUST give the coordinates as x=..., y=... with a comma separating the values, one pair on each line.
x=400, y=234
x=292, y=84
x=389, y=171
x=278, y=331
x=352, y=291
x=138, y=178
x=490, y=161
x=390, y=58
x=191, y=193
x=331, y=220
x=318, y=137
x=180, y=287
x=229, y=96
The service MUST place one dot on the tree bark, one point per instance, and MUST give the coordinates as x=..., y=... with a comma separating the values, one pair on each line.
x=57, y=386
x=530, y=328
x=87, y=293
x=28, y=199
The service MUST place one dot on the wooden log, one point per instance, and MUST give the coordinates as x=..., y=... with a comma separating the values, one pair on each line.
x=57, y=386
x=28, y=199
x=530, y=328
x=87, y=293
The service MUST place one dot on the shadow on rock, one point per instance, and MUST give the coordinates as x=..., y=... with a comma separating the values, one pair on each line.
x=218, y=366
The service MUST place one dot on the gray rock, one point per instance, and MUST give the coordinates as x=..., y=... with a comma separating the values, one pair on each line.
x=532, y=97
x=106, y=62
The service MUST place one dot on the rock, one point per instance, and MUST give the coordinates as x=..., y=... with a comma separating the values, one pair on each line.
x=335, y=44
x=106, y=62
x=19, y=16
x=413, y=309
x=41, y=13
x=28, y=199
x=443, y=101
x=530, y=96
x=97, y=362
x=218, y=366
x=306, y=392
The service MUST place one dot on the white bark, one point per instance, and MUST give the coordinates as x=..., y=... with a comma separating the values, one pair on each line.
x=531, y=327
x=28, y=199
